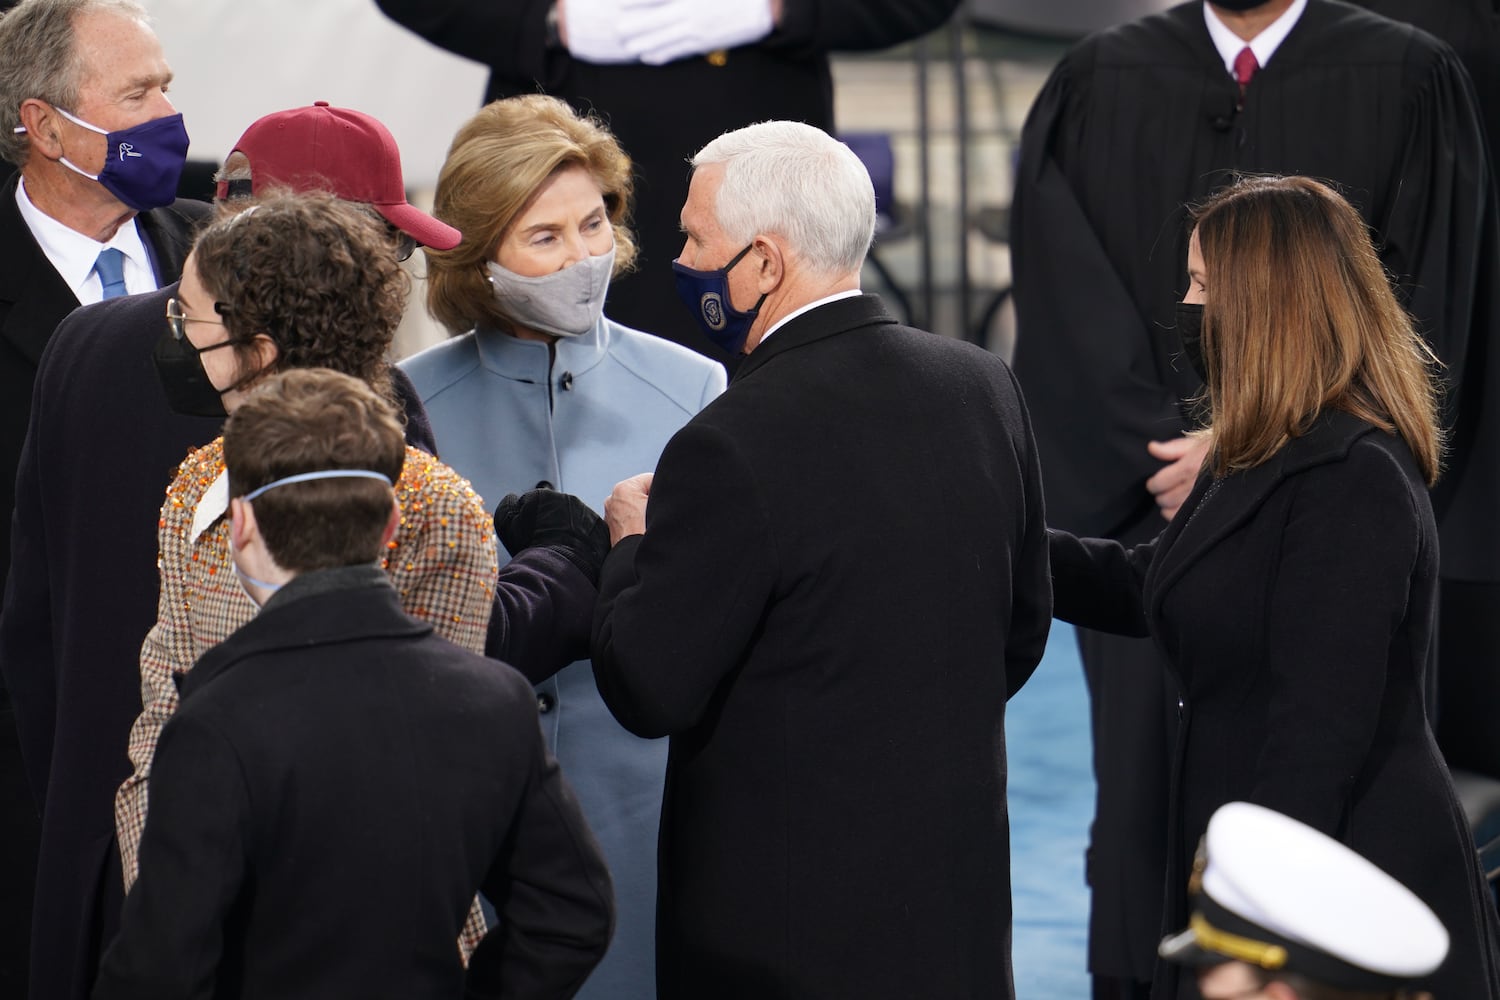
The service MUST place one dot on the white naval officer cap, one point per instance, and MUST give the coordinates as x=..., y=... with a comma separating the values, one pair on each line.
x=1277, y=894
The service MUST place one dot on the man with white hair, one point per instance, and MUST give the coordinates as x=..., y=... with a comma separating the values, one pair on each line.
x=841, y=578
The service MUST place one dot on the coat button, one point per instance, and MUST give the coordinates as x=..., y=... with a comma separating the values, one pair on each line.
x=543, y=485
x=544, y=703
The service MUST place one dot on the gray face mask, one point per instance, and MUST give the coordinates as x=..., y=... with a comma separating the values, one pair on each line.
x=565, y=303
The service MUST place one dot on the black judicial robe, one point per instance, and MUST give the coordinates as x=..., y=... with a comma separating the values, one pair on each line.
x=1142, y=118
x=662, y=115
x=1472, y=28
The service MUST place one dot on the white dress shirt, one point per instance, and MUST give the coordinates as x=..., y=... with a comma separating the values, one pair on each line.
x=1264, y=45
x=73, y=254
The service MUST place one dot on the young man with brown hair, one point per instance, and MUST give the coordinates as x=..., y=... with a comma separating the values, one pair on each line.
x=338, y=781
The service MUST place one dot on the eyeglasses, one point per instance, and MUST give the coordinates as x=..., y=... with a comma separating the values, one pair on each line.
x=406, y=245
x=177, y=323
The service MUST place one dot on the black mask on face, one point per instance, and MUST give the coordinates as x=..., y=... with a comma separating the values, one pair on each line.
x=1239, y=5
x=189, y=390
x=1190, y=329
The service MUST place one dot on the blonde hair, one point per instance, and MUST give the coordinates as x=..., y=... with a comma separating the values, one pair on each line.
x=1300, y=317
x=498, y=160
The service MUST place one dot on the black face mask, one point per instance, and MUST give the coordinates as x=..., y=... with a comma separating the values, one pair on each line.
x=1190, y=329
x=1239, y=5
x=189, y=390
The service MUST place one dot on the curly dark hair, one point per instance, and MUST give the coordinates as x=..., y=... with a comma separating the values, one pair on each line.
x=315, y=274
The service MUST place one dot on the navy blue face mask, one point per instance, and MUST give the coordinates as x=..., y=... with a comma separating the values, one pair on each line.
x=142, y=164
x=706, y=294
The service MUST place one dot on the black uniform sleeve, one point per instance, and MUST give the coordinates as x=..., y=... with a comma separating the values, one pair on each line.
x=552, y=891
x=858, y=24
x=508, y=36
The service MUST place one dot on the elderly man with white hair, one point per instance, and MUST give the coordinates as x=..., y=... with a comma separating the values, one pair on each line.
x=840, y=579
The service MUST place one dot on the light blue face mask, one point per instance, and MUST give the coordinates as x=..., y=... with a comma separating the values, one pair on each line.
x=301, y=477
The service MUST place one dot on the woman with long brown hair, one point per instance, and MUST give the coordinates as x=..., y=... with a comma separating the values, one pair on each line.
x=1294, y=592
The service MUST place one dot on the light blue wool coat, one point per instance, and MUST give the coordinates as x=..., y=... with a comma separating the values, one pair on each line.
x=600, y=412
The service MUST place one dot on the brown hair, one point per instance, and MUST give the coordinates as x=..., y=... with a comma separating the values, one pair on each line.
x=308, y=420
x=498, y=160
x=313, y=273
x=1300, y=317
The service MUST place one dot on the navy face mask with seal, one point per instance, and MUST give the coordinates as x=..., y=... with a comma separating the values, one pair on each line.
x=142, y=164
x=706, y=294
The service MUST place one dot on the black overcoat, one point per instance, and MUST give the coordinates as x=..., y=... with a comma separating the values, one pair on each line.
x=662, y=115
x=33, y=301
x=336, y=784
x=1295, y=602
x=842, y=580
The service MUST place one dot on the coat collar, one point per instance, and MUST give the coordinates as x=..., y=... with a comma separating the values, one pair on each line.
x=340, y=607
x=818, y=324
x=1241, y=494
x=530, y=360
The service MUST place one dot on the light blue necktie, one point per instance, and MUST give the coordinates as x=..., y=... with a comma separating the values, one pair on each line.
x=111, y=270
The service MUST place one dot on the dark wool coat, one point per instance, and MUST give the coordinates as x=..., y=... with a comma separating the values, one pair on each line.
x=662, y=115
x=335, y=786
x=1295, y=602
x=842, y=580
x=33, y=301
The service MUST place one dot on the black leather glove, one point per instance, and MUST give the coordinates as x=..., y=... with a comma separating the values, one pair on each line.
x=558, y=521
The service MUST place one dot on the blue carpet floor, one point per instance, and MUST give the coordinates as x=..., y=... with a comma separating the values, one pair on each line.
x=1051, y=802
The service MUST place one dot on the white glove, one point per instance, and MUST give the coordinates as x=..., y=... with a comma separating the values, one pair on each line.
x=593, y=31
x=659, y=31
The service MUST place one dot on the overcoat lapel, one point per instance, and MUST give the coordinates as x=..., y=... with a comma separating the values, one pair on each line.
x=825, y=321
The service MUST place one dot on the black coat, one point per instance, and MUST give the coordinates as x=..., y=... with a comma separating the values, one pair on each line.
x=662, y=115
x=842, y=580
x=1295, y=602
x=335, y=786
x=33, y=301
x=103, y=447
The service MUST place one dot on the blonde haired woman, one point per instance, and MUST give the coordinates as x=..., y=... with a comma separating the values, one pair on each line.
x=539, y=386
x=1294, y=592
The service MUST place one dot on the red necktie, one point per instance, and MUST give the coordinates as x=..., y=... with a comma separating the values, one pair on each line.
x=1245, y=65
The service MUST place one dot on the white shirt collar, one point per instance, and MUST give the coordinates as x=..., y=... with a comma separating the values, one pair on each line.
x=73, y=254
x=783, y=321
x=1264, y=45
x=213, y=502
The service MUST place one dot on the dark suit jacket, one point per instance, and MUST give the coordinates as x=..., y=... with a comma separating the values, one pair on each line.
x=33, y=300
x=335, y=786
x=662, y=115
x=1295, y=602
x=102, y=449
x=843, y=579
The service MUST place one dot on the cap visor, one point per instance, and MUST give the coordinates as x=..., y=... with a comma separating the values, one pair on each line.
x=1184, y=949
x=420, y=226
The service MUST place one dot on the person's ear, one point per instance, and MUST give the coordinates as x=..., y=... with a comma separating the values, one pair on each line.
x=772, y=267
x=392, y=524
x=242, y=527
x=266, y=352
x=42, y=127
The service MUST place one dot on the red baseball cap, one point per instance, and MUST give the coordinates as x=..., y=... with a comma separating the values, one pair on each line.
x=346, y=153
